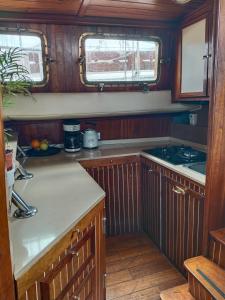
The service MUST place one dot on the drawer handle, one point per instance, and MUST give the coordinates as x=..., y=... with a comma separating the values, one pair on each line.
x=76, y=297
x=150, y=170
x=178, y=190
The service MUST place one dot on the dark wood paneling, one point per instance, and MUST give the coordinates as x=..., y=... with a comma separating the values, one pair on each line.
x=120, y=179
x=198, y=133
x=63, y=48
x=110, y=128
x=182, y=218
x=6, y=277
x=151, y=192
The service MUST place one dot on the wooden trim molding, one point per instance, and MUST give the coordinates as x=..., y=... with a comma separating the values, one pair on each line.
x=215, y=192
x=6, y=277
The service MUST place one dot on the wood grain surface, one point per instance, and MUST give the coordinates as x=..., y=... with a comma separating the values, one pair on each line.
x=137, y=270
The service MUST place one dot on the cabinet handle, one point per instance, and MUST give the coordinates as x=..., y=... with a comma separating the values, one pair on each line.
x=76, y=297
x=150, y=170
x=178, y=190
x=207, y=56
x=104, y=280
x=104, y=219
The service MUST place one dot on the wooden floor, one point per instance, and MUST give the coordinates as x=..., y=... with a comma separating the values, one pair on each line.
x=136, y=270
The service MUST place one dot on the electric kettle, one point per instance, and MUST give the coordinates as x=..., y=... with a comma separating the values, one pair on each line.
x=90, y=139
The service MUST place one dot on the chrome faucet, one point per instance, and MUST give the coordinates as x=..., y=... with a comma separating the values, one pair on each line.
x=24, y=210
x=24, y=174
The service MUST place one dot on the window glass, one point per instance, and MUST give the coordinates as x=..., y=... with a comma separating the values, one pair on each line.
x=31, y=47
x=121, y=60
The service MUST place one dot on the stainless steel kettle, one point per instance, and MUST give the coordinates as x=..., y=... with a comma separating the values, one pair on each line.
x=90, y=139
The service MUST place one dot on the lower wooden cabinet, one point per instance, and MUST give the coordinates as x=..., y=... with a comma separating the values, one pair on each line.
x=72, y=269
x=182, y=221
x=173, y=208
x=119, y=177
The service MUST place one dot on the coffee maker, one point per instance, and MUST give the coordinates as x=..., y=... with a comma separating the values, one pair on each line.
x=72, y=135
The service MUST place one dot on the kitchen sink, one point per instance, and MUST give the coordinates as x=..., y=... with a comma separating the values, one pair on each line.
x=199, y=167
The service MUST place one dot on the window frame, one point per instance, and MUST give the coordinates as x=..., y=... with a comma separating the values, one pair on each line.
x=44, y=46
x=136, y=37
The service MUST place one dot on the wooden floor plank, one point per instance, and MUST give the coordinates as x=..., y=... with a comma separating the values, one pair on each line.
x=136, y=269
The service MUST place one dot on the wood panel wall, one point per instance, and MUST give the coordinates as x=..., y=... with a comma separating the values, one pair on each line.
x=198, y=133
x=110, y=128
x=63, y=48
x=215, y=192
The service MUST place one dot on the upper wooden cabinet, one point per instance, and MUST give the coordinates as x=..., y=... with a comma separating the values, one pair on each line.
x=193, y=62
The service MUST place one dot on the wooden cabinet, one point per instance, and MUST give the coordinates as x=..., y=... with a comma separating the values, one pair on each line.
x=194, y=59
x=74, y=268
x=120, y=179
x=173, y=209
x=182, y=218
x=151, y=199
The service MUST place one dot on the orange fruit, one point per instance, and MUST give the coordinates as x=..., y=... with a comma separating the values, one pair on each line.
x=35, y=144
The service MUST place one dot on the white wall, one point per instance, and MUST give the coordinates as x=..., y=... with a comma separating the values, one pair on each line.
x=67, y=105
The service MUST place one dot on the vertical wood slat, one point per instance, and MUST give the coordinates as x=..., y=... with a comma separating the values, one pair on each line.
x=151, y=200
x=120, y=179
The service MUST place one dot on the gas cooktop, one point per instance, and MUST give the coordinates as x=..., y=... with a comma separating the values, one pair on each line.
x=178, y=155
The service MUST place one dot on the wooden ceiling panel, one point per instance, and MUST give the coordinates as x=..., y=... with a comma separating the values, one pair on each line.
x=161, y=10
x=138, y=9
x=42, y=6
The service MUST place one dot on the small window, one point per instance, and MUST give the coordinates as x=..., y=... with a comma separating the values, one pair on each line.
x=117, y=59
x=33, y=47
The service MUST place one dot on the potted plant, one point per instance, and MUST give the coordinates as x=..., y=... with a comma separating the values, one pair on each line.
x=14, y=80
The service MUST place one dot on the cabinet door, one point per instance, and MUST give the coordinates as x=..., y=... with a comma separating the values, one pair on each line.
x=182, y=222
x=151, y=186
x=120, y=179
x=192, y=78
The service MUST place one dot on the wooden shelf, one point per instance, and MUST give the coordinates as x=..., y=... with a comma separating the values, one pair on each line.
x=201, y=267
x=180, y=292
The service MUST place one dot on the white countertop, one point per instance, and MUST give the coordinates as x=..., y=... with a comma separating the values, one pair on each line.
x=64, y=192
x=135, y=147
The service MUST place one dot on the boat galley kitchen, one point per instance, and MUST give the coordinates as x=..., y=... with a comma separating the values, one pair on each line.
x=112, y=150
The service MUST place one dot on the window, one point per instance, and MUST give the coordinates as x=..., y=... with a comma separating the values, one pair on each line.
x=118, y=59
x=32, y=47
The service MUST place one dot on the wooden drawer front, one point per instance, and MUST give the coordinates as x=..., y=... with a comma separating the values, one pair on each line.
x=182, y=222
x=120, y=179
x=72, y=277
x=151, y=186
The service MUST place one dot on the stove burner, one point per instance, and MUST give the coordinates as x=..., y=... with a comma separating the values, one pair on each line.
x=178, y=154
